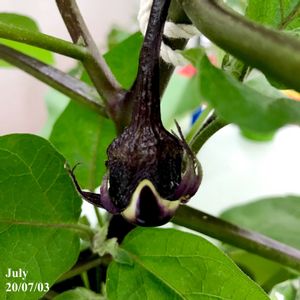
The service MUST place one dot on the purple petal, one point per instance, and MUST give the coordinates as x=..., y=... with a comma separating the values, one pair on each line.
x=190, y=183
x=147, y=208
x=105, y=198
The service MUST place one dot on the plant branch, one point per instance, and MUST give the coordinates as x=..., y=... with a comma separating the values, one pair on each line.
x=41, y=40
x=231, y=234
x=83, y=267
x=68, y=85
x=99, y=72
x=255, y=44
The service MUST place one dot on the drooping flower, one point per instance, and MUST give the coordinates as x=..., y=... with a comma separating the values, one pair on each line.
x=150, y=171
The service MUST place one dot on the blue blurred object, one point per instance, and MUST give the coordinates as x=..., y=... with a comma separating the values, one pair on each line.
x=196, y=114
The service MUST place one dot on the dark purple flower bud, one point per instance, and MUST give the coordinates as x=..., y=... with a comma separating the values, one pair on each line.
x=150, y=171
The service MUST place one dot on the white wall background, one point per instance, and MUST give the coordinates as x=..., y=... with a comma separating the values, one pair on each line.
x=22, y=107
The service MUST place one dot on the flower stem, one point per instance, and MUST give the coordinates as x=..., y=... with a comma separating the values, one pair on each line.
x=231, y=234
x=83, y=267
x=98, y=216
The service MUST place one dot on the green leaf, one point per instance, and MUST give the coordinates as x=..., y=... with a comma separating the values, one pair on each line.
x=265, y=272
x=38, y=205
x=238, y=5
x=288, y=290
x=279, y=14
x=24, y=23
x=239, y=104
x=170, y=264
x=278, y=218
x=123, y=59
x=56, y=103
x=82, y=136
x=181, y=97
x=116, y=36
x=182, y=94
x=258, y=137
x=79, y=294
x=194, y=55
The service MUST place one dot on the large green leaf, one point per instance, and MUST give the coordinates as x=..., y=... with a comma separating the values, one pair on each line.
x=265, y=272
x=56, y=103
x=38, y=204
x=82, y=136
x=239, y=104
x=170, y=264
x=182, y=94
x=24, y=23
x=278, y=218
x=181, y=97
x=279, y=14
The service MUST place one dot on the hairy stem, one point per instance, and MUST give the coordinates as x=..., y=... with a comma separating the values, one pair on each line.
x=229, y=233
x=83, y=267
x=255, y=44
x=41, y=40
x=68, y=85
x=99, y=72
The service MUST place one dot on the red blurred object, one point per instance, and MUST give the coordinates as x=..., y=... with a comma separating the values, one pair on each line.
x=292, y=94
x=188, y=71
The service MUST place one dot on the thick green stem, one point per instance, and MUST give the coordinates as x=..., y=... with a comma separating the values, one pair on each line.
x=198, y=125
x=231, y=234
x=205, y=133
x=68, y=85
x=98, y=216
x=271, y=51
x=43, y=41
x=83, y=267
x=102, y=77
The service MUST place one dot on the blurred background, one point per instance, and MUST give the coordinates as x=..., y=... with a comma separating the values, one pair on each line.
x=236, y=170
x=22, y=107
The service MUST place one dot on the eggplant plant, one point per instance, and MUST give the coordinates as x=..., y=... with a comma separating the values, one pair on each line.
x=146, y=172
